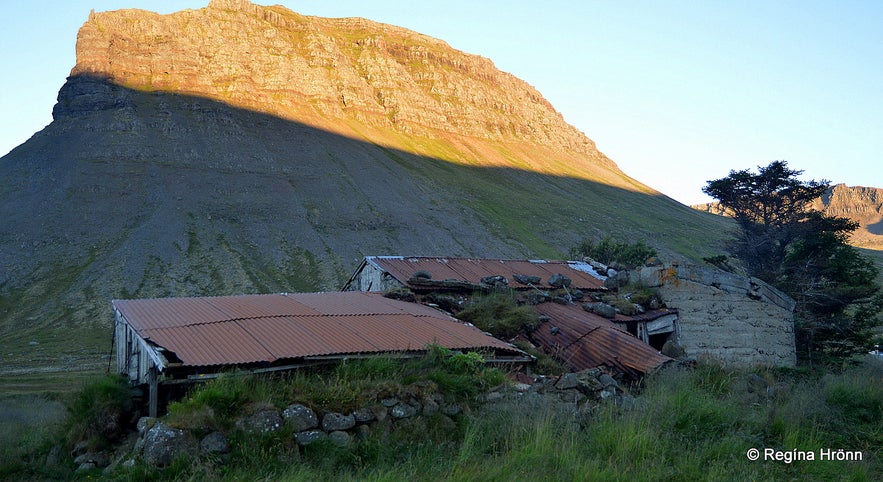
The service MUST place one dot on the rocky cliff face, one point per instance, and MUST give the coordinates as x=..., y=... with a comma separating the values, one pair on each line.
x=861, y=204
x=243, y=149
x=330, y=73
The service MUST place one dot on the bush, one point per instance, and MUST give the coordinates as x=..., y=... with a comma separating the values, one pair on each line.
x=611, y=251
x=500, y=315
x=98, y=413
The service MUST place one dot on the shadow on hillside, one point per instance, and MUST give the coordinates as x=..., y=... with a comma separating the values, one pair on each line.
x=341, y=183
x=133, y=194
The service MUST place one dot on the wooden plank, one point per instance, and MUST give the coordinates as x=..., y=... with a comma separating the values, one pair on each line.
x=154, y=392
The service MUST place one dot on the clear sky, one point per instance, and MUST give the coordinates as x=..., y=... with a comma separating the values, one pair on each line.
x=675, y=92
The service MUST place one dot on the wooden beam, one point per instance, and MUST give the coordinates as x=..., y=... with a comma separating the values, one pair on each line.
x=154, y=392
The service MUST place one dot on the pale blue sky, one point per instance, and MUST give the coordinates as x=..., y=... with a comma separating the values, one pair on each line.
x=675, y=92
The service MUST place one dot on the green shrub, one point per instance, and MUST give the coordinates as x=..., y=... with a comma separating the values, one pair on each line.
x=611, y=251
x=641, y=295
x=465, y=363
x=500, y=315
x=98, y=412
x=545, y=364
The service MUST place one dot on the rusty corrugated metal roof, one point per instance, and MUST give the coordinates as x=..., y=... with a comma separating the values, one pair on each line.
x=245, y=329
x=472, y=270
x=584, y=340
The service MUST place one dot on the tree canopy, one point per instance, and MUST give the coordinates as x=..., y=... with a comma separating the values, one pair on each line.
x=802, y=252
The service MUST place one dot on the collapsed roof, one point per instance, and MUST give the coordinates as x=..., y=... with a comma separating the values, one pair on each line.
x=578, y=338
x=264, y=329
x=467, y=273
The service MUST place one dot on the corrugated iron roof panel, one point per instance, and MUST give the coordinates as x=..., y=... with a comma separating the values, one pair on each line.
x=472, y=270
x=293, y=337
x=169, y=312
x=260, y=328
x=209, y=344
x=255, y=306
x=356, y=303
x=585, y=340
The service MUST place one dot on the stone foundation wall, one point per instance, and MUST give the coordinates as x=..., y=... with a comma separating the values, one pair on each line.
x=738, y=320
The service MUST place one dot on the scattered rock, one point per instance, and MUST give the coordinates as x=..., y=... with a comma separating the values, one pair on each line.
x=497, y=281
x=451, y=409
x=616, y=279
x=300, y=417
x=97, y=459
x=80, y=448
x=145, y=423
x=337, y=421
x=403, y=410
x=214, y=443
x=537, y=297
x=601, y=309
x=567, y=381
x=673, y=349
x=607, y=381
x=521, y=387
x=264, y=420
x=421, y=274
x=340, y=438
x=364, y=415
x=571, y=396
x=526, y=279
x=162, y=444
x=54, y=456
x=559, y=281
x=430, y=407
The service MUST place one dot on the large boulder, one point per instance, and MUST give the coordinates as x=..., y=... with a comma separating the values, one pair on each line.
x=162, y=444
x=559, y=281
x=261, y=421
x=214, y=443
x=337, y=421
x=300, y=417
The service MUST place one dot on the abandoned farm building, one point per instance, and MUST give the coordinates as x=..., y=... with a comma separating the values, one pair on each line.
x=737, y=320
x=186, y=338
x=382, y=273
x=578, y=338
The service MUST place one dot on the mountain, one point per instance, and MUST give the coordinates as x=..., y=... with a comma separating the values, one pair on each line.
x=863, y=205
x=239, y=148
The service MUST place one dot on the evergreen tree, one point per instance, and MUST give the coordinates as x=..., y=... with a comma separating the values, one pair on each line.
x=804, y=253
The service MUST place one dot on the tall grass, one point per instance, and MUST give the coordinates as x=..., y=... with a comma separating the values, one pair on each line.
x=687, y=424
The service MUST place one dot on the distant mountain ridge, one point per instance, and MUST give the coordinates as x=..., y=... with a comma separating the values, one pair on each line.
x=861, y=204
x=243, y=149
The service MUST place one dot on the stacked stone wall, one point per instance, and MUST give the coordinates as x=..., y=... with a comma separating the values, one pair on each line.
x=737, y=320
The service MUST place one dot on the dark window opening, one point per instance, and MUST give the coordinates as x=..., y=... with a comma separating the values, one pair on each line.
x=632, y=327
x=656, y=341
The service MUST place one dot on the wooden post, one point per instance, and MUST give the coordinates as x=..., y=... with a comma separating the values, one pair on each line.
x=154, y=389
